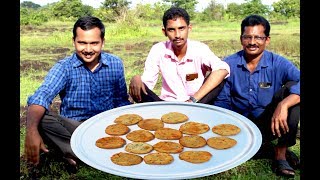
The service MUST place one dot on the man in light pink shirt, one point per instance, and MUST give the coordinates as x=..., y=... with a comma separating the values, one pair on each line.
x=183, y=65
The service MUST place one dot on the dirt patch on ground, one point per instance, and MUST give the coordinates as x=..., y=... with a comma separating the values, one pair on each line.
x=57, y=53
x=138, y=46
x=59, y=50
x=28, y=65
x=42, y=30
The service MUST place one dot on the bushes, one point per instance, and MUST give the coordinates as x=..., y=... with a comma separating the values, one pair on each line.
x=29, y=16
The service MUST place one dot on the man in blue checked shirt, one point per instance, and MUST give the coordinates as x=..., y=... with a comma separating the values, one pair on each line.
x=88, y=82
x=265, y=87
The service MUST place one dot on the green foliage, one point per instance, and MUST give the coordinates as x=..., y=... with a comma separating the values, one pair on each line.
x=188, y=5
x=29, y=4
x=29, y=16
x=118, y=7
x=287, y=8
x=150, y=12
x=254, y=7
x=127, y=29
x=119, y=10
x=144, y=11
x=159, y=9
x=234, y=11
x=214, y=11
x=104, y=15
x=238, y=12
x=70, y=9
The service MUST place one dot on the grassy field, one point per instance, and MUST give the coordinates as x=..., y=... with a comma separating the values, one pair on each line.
x=41, y=47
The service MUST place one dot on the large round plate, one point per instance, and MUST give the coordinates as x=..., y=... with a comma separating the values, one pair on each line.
x=248, y=141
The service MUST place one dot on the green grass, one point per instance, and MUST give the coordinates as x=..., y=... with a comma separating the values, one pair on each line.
x=39, y=45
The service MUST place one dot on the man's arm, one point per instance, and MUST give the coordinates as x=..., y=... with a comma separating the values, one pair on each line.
x=135, y=87
x=150, y=73
x=280, y=115
x=33, y=140
x=214, y=79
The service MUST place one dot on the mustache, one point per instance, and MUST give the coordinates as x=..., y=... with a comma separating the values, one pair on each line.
x=178, y=39
x=252, y=46
x=88, y=53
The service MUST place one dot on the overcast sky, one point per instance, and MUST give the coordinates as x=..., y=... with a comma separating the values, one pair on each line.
x=201, y=3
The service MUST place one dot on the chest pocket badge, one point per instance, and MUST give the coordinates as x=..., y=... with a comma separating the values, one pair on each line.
x=264, y=84
x=190, y=77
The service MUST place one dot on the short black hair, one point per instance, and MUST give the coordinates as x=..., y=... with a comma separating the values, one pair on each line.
x=174, y=13
x=253, y=20
x=87, y=23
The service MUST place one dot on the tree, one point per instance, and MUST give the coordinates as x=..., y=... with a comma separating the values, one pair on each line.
x=287, y=8
x=29, y=4
x=234, y=11
x=117, y=9
x=71, y=9
x=188, y=5
x=214, y=11
x=30, y=16
x=147, y=11
x=116, y=5
x=254, y=7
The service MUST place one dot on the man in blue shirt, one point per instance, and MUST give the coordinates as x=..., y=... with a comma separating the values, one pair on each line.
x=264, y=87
x=88, y=82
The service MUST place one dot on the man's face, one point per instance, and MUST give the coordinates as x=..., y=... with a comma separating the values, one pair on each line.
x=177, y=31
x=88, y=44
x=253, y=40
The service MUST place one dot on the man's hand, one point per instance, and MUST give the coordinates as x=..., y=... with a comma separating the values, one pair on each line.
x=33, y=145
x=280, y=115
x=279, y=120
x=135, y=87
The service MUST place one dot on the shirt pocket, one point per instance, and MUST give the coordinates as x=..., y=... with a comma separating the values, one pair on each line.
x=193, y=86
x=265, y=96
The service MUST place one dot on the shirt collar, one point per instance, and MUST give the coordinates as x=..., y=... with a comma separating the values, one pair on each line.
x=170, y=54
x=264, y=62
x=76, y=61
x=104, y=58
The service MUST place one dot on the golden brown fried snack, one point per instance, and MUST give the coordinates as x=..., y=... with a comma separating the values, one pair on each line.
x=126, y=159
x=158, y=158
x=193, y=141
x=174, y=118
x=168, y=147
x=140, y=135
x=221, y=142
x=139, y=147
x=195, y=156
x=193, y=128
x=151, y=124
x=111, y=142
x=128, y=119
x=117, y=129
x=168, y=134
x=226, y=129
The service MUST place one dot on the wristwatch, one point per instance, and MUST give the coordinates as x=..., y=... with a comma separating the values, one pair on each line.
x=194, y=100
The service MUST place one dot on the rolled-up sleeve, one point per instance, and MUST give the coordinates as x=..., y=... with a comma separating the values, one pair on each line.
x=151, y=67
x=213, y=61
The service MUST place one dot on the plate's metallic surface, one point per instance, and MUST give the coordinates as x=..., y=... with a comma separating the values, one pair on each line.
x=248, y=141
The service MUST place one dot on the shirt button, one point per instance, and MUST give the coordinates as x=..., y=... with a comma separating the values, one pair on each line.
x=250, y=90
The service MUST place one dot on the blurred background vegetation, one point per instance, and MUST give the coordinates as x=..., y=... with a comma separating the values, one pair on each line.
x=120, y=11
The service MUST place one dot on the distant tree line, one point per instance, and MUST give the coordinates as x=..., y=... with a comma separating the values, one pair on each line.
x=120, y=11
